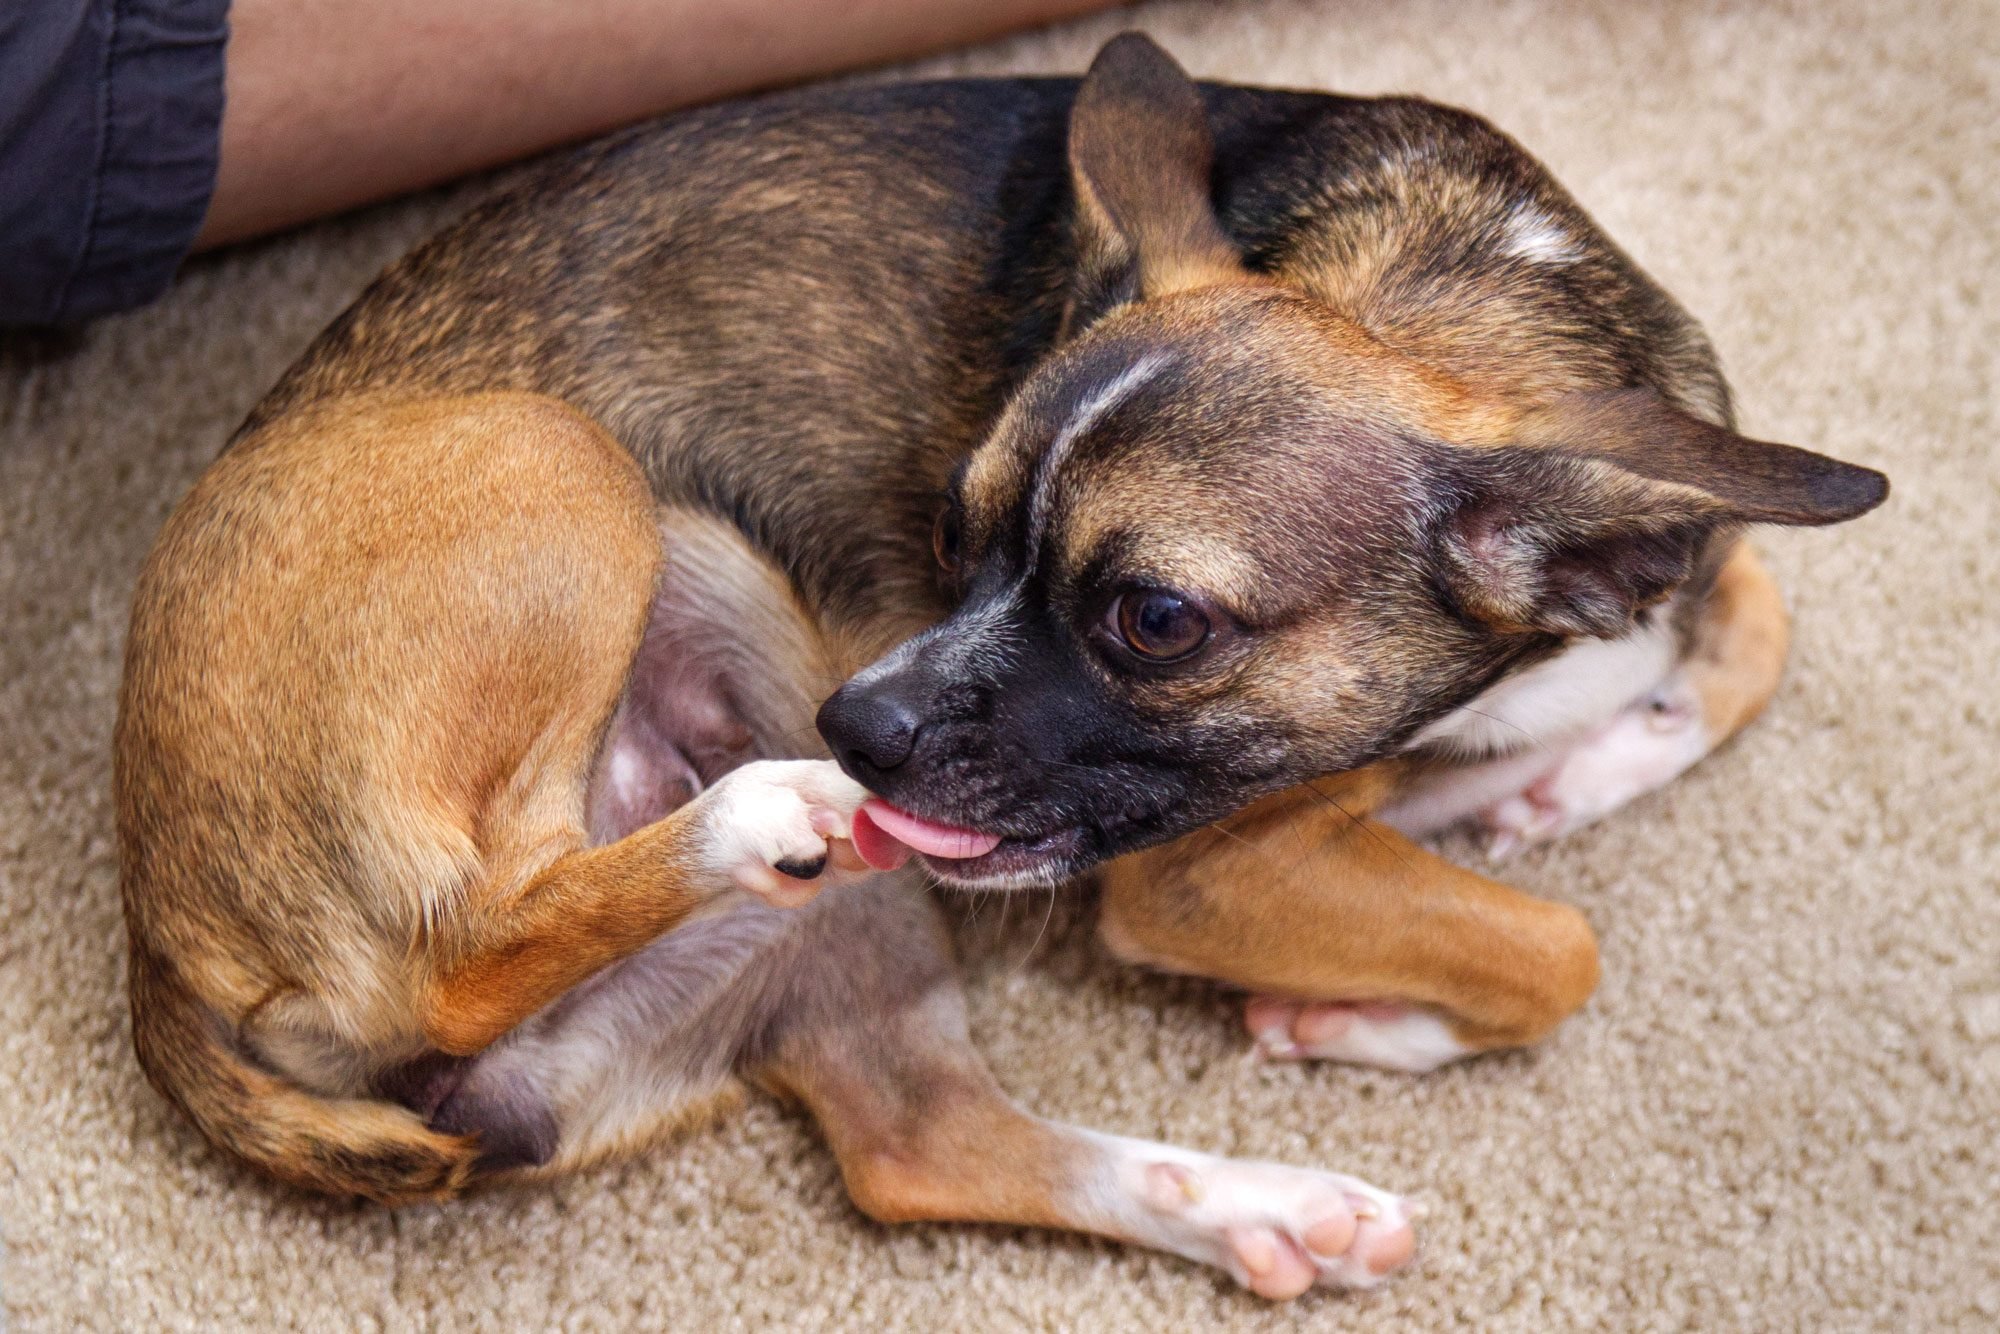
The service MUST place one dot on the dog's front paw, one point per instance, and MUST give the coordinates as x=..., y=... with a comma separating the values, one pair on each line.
x=1278, y=1230
x=1385, y=1035
x=774, y=826
x=1645, y=747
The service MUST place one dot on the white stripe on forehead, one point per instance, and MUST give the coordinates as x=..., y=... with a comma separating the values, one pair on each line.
x=1106, y=397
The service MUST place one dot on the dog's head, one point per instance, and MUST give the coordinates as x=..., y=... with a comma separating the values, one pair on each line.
x=1223, y=541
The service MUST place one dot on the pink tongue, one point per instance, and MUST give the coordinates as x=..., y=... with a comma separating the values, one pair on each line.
x=885, y=836
x=876, y=848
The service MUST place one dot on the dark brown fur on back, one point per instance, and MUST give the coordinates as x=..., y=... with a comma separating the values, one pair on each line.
x=801, y=312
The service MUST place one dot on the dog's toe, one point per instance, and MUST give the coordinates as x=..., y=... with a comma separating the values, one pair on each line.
x=1280, y=1230
x=1383, y=1034
x=1643, y=748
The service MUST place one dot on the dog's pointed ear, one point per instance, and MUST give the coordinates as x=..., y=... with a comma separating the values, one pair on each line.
x=1601, y=504
x=1140, y=158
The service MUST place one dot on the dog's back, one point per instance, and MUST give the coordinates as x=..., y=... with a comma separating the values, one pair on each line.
x=800, y=312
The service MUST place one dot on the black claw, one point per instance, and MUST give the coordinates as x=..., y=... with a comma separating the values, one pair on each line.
x=802, y=870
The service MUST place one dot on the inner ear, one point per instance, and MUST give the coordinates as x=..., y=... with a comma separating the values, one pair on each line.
x=1600, y=504
x=1543, y=542
x=1140, y=159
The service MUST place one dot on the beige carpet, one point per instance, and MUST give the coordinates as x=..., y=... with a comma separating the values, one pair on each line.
x=1779, y=1113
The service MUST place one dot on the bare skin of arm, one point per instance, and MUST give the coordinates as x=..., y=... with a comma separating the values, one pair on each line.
x=336, y=103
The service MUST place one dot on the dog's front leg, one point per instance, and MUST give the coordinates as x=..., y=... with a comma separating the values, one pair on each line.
x=1365, y=947
x=766, y=829
x=873, y=1040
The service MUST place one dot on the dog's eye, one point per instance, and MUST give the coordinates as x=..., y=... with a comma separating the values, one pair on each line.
x=944, y=539
x=1159, y=624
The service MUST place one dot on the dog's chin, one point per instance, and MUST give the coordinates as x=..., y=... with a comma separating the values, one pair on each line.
x=1019, y=862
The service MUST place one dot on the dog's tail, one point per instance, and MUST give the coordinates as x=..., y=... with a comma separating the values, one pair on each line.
x=338, y=1146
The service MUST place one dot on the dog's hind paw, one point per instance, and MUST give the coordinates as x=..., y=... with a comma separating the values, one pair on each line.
x=1645, y=747
x=1385, y=1035
x=1277, y=1230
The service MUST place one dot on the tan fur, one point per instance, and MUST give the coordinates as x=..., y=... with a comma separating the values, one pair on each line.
x=1303, y=895
x=1739, y=647
x=417, y=617
x=927, y=1133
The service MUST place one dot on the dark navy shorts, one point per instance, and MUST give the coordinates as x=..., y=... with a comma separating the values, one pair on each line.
x=110, y=119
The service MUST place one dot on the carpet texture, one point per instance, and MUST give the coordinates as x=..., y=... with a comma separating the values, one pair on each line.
x=1779, y=1112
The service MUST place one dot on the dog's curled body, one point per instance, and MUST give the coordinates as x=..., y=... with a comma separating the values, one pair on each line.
x=799, y=317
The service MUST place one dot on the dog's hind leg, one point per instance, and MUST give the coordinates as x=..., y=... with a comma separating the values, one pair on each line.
x=871, y=1037
x=726, y=673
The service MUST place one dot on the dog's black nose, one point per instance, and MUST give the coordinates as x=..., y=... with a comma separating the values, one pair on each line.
x=870, y=730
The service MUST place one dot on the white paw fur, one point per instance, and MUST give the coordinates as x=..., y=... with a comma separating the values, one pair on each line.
x=1277, y=1230
x=1643, y=748
x=772, y=812
x=1388, y=1037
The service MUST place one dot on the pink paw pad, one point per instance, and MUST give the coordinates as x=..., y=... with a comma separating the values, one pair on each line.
x=1280, y=1230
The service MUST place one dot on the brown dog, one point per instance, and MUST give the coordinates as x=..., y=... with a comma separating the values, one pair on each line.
x=1310, y=468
